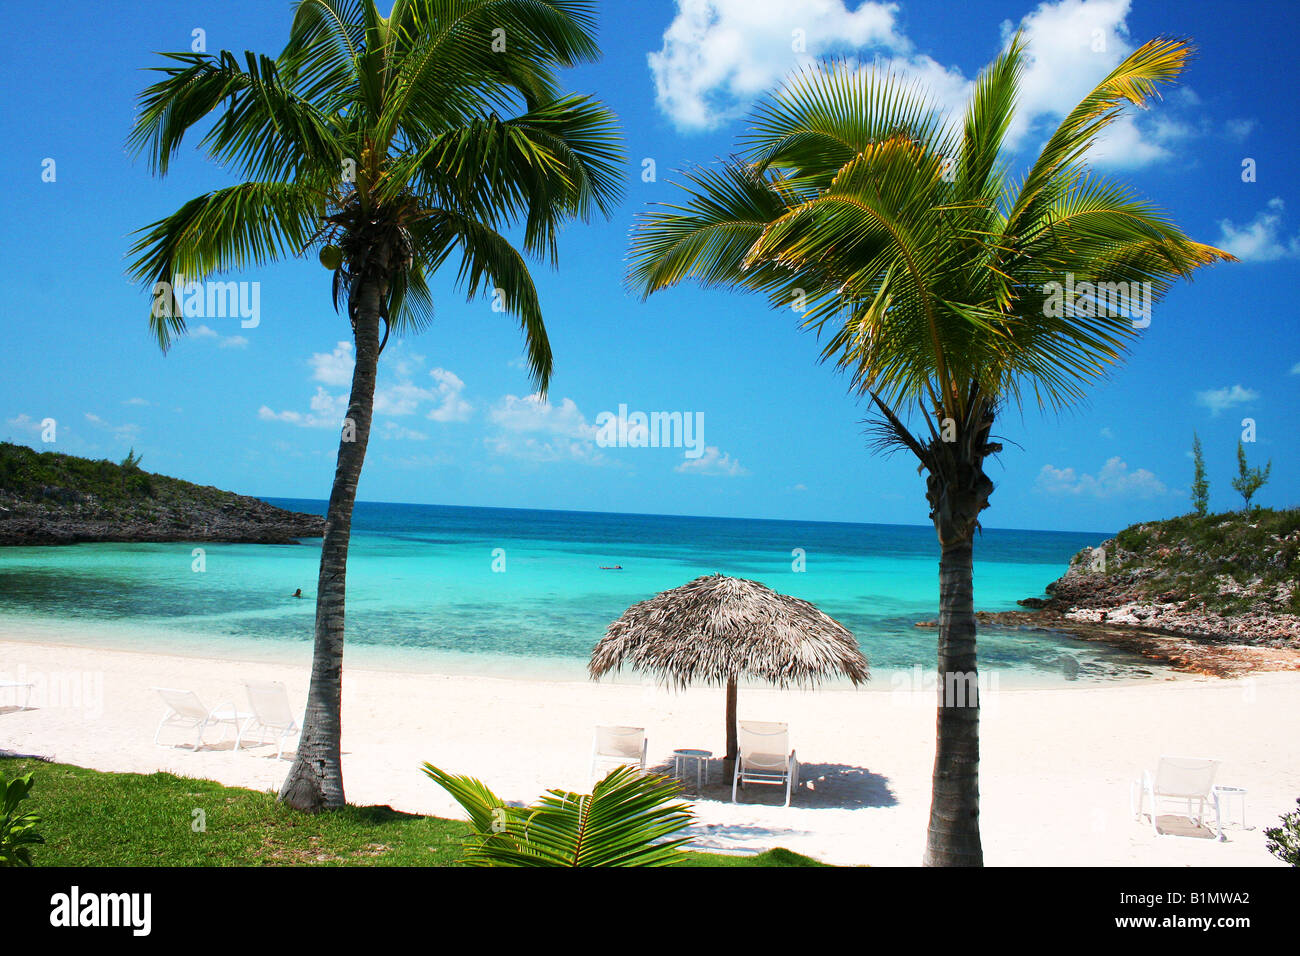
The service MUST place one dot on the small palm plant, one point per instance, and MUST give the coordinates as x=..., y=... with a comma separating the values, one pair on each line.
x=627, y=820
x=17, y=827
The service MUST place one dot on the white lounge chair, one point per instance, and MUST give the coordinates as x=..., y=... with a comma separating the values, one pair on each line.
x=14, y=685
x=619, y=746
x=184, y=709
x=763, y=757
x=1178, y=778
x=272, y=716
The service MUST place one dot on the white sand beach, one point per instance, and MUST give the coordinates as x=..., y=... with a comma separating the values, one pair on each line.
x=1055, y=774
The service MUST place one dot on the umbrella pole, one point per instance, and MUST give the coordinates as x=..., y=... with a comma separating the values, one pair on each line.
x=729, y=761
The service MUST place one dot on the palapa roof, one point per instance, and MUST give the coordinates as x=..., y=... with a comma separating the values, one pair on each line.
x=717, y=628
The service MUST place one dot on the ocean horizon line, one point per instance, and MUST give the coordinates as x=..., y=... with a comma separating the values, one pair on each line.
x=272, y=499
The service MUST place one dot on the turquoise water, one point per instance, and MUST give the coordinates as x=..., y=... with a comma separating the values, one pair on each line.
x=423, y=593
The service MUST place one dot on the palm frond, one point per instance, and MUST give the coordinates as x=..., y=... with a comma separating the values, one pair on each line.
x=627, y=820
x=488, y=264
x=229, y=229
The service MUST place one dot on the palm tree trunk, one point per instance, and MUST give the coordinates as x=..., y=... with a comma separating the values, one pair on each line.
x=315, y=780
x=953, y=838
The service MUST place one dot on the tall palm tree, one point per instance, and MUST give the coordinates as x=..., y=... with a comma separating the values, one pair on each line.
x=932, y=272
x=395, y=144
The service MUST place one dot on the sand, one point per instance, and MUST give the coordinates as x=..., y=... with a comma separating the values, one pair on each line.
x=1055, y=774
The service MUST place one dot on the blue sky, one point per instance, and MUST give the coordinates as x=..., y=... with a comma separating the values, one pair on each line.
x=255, y=409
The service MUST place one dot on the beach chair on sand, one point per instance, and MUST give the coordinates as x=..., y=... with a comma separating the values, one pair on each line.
x=14, y=685
x=1178, y=778
x=184, y=709
x=619, y=746
x=763, y=757
x=272, y=717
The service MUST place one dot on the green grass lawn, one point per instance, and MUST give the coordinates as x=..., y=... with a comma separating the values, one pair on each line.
x=91, y=818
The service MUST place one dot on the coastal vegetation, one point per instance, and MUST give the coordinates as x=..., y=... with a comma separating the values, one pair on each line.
x=91, y=818
x=1200, y=484
x=937, y=278
x=392, y=145
x=1229, y=564
x=1249, y=480
x=53, y=498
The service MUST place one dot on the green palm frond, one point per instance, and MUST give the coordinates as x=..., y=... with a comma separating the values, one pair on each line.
x=628, y=819
x=928, y=269
x=489, y=264
x=1134, y=81
x=390, y=138
x=226, y=230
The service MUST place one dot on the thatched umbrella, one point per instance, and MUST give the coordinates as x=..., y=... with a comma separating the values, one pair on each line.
x=717, y=630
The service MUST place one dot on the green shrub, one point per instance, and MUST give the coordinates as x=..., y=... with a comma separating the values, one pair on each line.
x=1284, y=841
x=17, y=828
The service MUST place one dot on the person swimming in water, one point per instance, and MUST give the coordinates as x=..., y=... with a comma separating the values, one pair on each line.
x=297, y=593
x=616, y=567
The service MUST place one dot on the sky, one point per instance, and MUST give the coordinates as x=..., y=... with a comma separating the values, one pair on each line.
x=255, y=409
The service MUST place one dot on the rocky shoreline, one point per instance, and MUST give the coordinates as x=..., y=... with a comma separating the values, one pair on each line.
x=49, y=498
x=235, y=519
x=1107, y=596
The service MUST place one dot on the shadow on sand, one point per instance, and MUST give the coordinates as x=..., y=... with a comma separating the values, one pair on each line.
x=822, y=786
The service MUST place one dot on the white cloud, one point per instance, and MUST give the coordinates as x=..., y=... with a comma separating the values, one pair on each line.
x=1069, y=47
x=124, y=432
x=1114, y=480
x=538, y=430
x=400, y=398
x=1239, y=129
x=712, y=462
x=204, y=332
x=396, y=393
x=532, y=413
x=135, y=401
x=333, y=368
x=718, y=56
x=1220, y=399
x=547, y=449
x=396, y=431
x=452, y=407
x=25, y=423
x=1260, y=240
x=1295, y=369
x=327, y=411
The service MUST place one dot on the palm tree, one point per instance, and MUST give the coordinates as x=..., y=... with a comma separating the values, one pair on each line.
x=395, y=144
x=939, y=281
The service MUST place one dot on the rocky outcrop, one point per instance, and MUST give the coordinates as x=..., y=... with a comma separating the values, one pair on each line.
x=49, y=498
x=245, y=520
x=1212, y=594
x=1132, y=592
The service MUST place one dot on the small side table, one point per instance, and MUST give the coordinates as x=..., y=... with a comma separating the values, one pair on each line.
x=1223, y=797
x=701, y=758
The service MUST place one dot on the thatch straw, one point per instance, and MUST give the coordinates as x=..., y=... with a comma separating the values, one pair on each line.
x=718, y=629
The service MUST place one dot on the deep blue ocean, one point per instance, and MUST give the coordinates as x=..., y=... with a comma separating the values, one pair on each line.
x=520, y=593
